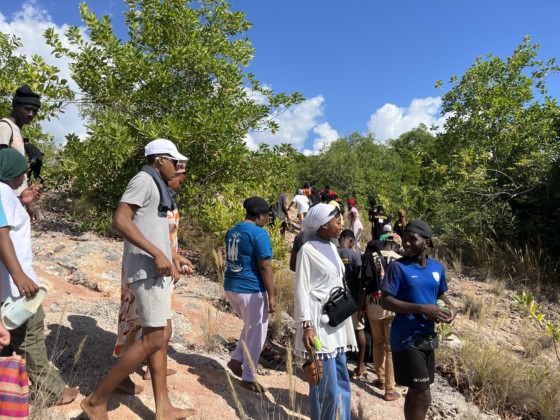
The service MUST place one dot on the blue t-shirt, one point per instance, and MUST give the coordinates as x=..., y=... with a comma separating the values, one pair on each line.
x=3, y=219
x=409, y=282
x=246, y=244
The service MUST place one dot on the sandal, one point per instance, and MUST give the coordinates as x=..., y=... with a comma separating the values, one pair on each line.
x=313, y=368
x=254, y=386
x=357, y=375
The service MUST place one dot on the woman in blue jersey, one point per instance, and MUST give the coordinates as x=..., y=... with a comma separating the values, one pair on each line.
x=249, y=288
x=411, y=288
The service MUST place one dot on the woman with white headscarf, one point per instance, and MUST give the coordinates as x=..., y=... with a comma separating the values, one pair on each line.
x=318, y=270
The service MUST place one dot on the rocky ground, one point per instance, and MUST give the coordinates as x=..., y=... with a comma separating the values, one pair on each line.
x=82, y=274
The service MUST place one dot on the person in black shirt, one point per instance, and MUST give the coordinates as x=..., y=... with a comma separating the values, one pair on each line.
x=400, y=223
x=379, y=220
x=371, y=213
x=353, y=265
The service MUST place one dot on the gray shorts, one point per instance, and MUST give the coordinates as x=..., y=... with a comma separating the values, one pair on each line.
x=153, y=300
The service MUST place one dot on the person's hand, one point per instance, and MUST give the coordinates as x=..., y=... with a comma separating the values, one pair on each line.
x=308, y=336
x=31, y=194
x=25, y=285
x=175, y=275
x=452, y=315
x=435, y=313
x=362, y=315
x=182, y=264
x=163, y=265
x=271, y=304
x=33, y=213
x=4, y=336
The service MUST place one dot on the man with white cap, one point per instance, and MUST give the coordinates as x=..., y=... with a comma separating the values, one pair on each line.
x=141, y=219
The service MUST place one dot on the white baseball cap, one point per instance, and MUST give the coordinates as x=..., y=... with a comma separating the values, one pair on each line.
x=163, y=146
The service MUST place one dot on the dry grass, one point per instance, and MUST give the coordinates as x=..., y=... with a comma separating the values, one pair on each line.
x=40, y=402
x=499, y=379
x=219, y=264
x=517, y=267
x=501, y=382
x=474, y=306
x=209, y=327
x=497, y=286
x=193, y=236
x=284, y=290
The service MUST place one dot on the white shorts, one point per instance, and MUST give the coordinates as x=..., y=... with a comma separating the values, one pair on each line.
x=153, y=300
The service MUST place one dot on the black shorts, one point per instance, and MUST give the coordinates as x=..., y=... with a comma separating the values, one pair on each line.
x=414, y=368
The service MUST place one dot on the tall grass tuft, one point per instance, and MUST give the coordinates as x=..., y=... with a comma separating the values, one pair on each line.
x=284, y=289
x=496, y=379
x=209, y=327
x=520, y=267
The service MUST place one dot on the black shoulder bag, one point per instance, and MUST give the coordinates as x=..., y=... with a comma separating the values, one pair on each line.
x=340, y=305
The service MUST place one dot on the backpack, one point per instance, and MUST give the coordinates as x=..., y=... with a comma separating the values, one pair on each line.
x=314, y=197
x=273, y=213
x=35, y=155
x=370, y=274
x=3, y=146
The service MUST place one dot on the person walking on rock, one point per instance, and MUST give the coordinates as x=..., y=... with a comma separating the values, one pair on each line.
x=318, y=270
x=411, y=288
x=249, y=288
x=141, y=219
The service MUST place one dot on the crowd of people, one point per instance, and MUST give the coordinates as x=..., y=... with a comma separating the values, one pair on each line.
x=396, y=287
x=393, y=285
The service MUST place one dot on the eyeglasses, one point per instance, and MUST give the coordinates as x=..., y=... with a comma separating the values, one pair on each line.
x=174, y=161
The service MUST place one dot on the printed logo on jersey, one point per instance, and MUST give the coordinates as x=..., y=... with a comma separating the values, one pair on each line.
x=436, y=276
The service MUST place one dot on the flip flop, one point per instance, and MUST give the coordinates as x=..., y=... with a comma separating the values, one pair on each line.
x=357, y=375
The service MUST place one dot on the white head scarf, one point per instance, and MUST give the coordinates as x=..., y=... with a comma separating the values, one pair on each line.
x=318, y=215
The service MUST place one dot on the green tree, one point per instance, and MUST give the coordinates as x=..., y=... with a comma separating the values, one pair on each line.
x=500, y=143
x=180, y=75
x=359, y=166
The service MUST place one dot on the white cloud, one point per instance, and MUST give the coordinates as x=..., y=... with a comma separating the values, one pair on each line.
x=28, y=24
x=296, y=124
x=326, y=134
x=390, y=121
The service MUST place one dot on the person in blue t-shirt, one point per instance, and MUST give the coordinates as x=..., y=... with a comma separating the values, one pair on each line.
x=249, y=288
x=411, y=287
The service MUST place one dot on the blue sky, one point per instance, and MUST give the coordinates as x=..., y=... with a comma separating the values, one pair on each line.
x=362, y=65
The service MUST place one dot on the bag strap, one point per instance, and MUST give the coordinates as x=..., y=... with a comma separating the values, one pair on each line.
x=381, y=259
x=12, y=130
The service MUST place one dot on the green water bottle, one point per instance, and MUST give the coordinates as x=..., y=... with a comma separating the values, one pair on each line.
x=318, y=344
x=443, y=305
